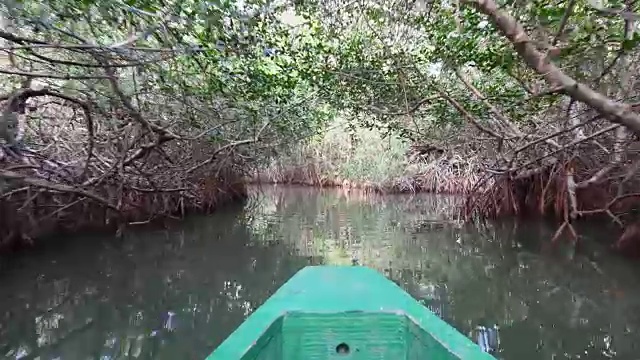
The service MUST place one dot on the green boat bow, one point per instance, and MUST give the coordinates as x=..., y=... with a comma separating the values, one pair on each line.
x=344, y=312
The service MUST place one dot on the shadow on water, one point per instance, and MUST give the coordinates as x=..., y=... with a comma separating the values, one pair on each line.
x=175, y=294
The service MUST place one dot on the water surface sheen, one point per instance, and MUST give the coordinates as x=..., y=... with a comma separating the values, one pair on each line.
x=175, y=294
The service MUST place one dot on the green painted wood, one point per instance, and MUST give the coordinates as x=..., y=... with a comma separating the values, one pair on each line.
x=323, y=306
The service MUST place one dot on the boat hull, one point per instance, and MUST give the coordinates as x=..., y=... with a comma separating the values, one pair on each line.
x=344, y=312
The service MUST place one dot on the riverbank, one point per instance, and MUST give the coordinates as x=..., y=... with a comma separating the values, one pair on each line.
x=79, y=170
x=352, y=157
x=355, y=157
x=38, y=209
x=429, y=182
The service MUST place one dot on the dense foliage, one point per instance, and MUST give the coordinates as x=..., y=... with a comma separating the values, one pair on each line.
x=130, y=98
x=541, y=93
x=143, y=107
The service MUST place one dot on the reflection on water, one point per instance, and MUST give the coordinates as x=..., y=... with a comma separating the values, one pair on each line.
x=176, y=294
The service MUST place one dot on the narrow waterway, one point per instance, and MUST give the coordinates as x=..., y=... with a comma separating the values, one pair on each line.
x=175, y=294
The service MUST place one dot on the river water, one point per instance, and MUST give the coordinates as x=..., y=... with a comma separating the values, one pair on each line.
x=176, y=294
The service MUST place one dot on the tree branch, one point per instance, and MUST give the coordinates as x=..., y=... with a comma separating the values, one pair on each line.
x=6, y=174
x=616, y=112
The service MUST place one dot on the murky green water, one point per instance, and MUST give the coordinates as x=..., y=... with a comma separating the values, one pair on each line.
x=176, y=294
